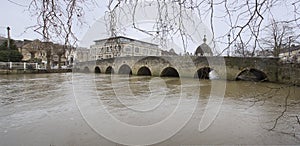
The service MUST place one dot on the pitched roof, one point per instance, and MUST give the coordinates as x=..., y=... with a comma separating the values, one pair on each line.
x=168, y=53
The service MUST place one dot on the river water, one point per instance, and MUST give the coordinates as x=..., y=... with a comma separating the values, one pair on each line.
x=68, y=109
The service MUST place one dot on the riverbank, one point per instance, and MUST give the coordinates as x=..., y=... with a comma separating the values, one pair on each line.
x=35, y=71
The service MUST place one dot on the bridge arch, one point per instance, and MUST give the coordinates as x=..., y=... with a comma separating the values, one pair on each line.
x=154, y=63
x=251, y=74
x=125, y=69
x=86, y=69
x=203, y=73
x=109, y=70
x=169, y=72
x=97, y=70
x=144, y=71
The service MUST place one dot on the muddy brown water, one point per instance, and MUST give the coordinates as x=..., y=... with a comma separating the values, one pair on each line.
x=42, y=109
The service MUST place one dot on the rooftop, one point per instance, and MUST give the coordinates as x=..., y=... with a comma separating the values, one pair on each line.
x=292, y=48
x=203, y=48
x=122, y=37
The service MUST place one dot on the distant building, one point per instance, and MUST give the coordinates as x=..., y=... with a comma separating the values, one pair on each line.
x=290, y=54
x=265, y=53
x=171, y=52
x=26, y=49
x=203, y=49
x=70, y=56
x=122, y=46
x=81, y=54
x=35, y=51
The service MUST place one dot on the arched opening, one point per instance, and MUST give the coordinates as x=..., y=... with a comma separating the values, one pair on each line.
x=252, y=75
x=86, y=69
x=144, y=71
x=169, y=72
x=109, y=70
x=97, y=70
x=203, y=73
x=125, y=69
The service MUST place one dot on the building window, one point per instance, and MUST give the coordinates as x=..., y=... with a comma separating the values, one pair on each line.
x=152, y=52
x=109, y=49
x=128, y=49
x=145, y=51
x=137, y=50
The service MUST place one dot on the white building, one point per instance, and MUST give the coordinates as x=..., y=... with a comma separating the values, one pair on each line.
x=290, y=54
x=122, y=46
x=81, y=54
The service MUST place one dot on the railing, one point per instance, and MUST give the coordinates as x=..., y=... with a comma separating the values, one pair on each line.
x=19, y=65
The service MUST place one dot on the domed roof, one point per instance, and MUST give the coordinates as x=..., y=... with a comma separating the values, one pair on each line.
x=203, y=49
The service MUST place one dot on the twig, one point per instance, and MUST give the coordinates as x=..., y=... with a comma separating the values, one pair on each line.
x=283, y=112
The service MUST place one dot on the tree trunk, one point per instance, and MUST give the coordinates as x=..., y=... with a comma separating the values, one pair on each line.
x=276, y=52
x=59, y=60
x=48, y=56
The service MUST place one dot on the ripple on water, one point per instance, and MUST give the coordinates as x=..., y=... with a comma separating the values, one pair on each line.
x=31, y=102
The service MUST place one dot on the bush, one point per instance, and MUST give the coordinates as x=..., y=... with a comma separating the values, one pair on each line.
x=10, y=55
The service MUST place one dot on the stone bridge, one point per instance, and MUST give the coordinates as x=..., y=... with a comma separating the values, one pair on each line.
x=229, y=68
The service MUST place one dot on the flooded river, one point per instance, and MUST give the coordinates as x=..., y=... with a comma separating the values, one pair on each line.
x=77, y=109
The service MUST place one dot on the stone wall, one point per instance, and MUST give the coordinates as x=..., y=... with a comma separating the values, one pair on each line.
x=289, y=73
x=227, y=68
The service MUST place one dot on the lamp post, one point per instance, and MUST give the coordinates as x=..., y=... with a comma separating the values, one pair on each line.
x=228, y=51
x=8, y=45
x=290, y=37
x=8, y=37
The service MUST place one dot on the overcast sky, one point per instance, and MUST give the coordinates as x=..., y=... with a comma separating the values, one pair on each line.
x=16, y=18
x=13, y=13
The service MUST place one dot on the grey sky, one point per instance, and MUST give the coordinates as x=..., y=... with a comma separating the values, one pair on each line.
x=13, y=13
x=18, y=19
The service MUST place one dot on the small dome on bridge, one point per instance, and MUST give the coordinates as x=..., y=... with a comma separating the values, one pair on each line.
x=203, y=49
